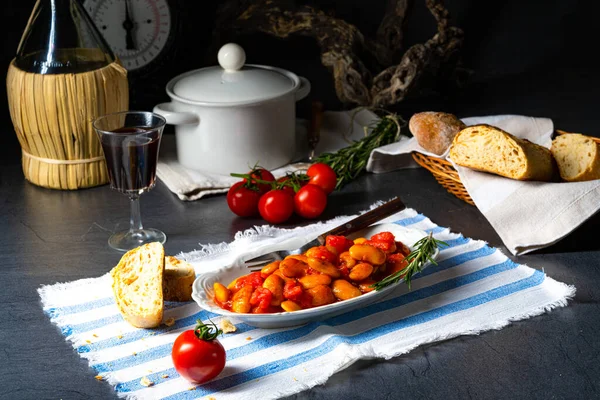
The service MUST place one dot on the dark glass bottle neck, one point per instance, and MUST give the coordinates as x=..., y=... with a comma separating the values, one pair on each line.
x=60, y=37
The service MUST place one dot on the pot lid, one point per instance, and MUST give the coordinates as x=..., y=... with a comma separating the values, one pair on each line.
x=233, y=82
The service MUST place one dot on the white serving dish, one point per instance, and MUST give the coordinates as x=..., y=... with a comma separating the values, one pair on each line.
x=202, y=289
x=230, y=117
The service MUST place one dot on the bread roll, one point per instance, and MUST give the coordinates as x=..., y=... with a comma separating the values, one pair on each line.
x=178, y=279
x=435, y=131
x=490, y=149
x=138, y=285
x=577, y=156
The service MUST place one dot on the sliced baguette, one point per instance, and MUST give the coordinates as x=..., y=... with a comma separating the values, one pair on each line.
x=577, y=156
x=490, y=149
x=178, y=279
x=137, y=285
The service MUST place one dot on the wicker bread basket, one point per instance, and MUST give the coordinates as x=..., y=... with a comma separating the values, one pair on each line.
x=447, y=176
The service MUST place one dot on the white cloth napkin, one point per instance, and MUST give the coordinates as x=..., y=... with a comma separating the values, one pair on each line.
x=526, y=215
x=473, y=288
x=337, y=131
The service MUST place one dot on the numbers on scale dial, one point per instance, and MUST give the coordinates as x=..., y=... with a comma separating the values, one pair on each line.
x=136, y=30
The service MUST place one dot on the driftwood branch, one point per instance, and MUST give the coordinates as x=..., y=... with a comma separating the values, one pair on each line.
x=394, y=83
x=391, y=30
x=341, y=43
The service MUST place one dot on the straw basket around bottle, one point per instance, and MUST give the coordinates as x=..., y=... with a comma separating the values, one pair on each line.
x=64, y=75
x=447, y=176
x=52, y=115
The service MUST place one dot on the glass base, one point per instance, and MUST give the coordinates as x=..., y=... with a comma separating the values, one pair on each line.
x=127, y=240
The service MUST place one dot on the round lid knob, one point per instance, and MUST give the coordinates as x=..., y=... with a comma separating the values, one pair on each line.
x=231, y=57
x=233, y=82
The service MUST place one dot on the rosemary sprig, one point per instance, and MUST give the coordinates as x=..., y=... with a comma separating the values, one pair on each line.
x=423, y=252
x=350, y=161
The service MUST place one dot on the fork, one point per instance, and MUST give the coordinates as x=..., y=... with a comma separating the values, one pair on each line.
x=362, y=221
x=314, y=130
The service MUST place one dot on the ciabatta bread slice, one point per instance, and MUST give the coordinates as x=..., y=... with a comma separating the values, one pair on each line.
x=577, y=156
x=490, y=149
x=178, y=279
x=138, y=285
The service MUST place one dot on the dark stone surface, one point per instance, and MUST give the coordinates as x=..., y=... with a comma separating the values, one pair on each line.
x=528, y=58
x=50, y=236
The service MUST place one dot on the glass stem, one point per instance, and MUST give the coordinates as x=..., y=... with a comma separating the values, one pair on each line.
x=135, y=218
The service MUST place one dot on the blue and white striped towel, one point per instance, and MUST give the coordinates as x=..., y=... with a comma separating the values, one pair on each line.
x=473, y=289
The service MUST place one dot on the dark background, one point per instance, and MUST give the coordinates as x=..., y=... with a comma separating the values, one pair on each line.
x=527, y=57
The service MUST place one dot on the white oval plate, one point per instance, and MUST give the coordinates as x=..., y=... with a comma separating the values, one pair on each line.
x=202, y=289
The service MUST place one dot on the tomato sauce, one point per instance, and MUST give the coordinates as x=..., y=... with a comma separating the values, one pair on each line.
x=351, y=268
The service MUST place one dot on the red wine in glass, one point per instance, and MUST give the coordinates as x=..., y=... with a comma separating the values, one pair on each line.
x=130, y=141
x=131, y=157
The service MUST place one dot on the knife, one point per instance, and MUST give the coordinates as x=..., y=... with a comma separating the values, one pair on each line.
x=354, y=225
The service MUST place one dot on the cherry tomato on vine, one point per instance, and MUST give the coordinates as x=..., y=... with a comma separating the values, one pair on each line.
x=322, y=175
x=243, y=201
x=276, y=206
x=262, y=174
x=197, y=354
x=287, y=189
x=310, y=201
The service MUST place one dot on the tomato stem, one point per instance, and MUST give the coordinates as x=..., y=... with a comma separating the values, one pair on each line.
x=251, y=179
x=236, y=175
x=207, y=332
x=294, y=180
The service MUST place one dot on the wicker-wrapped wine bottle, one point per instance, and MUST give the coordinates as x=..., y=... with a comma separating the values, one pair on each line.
x=63, y=76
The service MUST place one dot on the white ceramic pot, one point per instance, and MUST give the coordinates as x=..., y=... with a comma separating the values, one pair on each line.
x=232, y=117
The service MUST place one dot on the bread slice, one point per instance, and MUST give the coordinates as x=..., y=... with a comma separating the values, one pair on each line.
x=178, y=279
x=577, y=156
x=490, y=149
x=138, y=285
x=435, y=131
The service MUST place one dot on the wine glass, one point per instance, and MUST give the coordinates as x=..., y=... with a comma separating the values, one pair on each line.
x=131, y=140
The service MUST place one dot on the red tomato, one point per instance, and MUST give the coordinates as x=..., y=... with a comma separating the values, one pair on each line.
x=253, y=279
x=292, y=290
x=276, y=206
x=341, y=243
x=386, y=247
x=262, y=174
x=197, y=354
x=310, y=201
x=261, y=297
x=243, y=201
x=383, y=237
x=287, y=189
x=305, y=300
x=323, y=176
x=384, y=241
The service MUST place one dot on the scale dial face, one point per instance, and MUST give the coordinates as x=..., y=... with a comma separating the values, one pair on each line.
x=136, y=30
